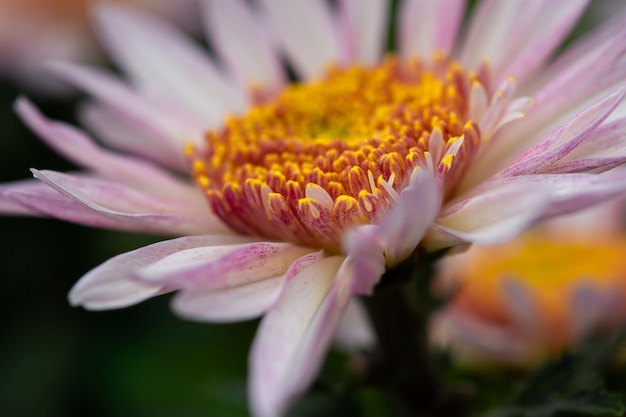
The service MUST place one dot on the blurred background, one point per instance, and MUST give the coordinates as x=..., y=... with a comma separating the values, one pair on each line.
x=56, y=360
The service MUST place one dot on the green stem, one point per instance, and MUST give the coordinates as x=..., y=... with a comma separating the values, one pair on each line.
x=403, y=363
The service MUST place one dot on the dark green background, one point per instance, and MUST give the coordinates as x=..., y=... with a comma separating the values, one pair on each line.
x=56, y=360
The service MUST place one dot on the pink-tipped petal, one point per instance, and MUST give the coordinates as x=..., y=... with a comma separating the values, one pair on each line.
x=294, y=335
x=242, y=42
x=168, y=126
x=515, y=36
x=114, y=205
x=567, y=193
x=307, y=33
x=10, y=206
x=490, y=28
x=166, y=64
x=76, y=146
x=355, y=332
x=573, y=87
x=204, y=268
x=111, y=285
x=429, y=26
x=546, y=29
x=564, y=139
x=114, y=130
x=574, y=192
x=240, y=302
x=578, y=52
x=605, y=147
x=493, y=216
x=364, y=29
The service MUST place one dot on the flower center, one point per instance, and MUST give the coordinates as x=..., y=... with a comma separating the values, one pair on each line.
x=548, y=268
x=336, y=152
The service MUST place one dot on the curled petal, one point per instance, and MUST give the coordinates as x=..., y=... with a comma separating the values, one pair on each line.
x=401, y=231
x=113, y=205
x=397, y=235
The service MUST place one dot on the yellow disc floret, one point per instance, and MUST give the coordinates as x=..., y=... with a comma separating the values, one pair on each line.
x=336, y=152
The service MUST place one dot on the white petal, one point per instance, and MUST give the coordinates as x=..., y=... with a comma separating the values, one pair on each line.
x=111, y=285
x=166, y=64
x=514, y=36
x=240, y=302
x=294, y=335
x=490, y=217
x=224, y=267
x=429, y=26
x=117, y=132
x=240, y=40
x=307, y=32
x=168, y=126
x=364, y=29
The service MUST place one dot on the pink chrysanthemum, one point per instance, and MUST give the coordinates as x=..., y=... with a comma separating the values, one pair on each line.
x=523, y=301
x=303, y=194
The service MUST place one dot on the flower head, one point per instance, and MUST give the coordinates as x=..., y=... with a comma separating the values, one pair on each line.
x=520, y=302
x=304, y=193
x=327, y=156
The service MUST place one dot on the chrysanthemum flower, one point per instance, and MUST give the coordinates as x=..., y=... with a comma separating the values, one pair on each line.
x=304, y=193
x=531, y=298
x=34, y=31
